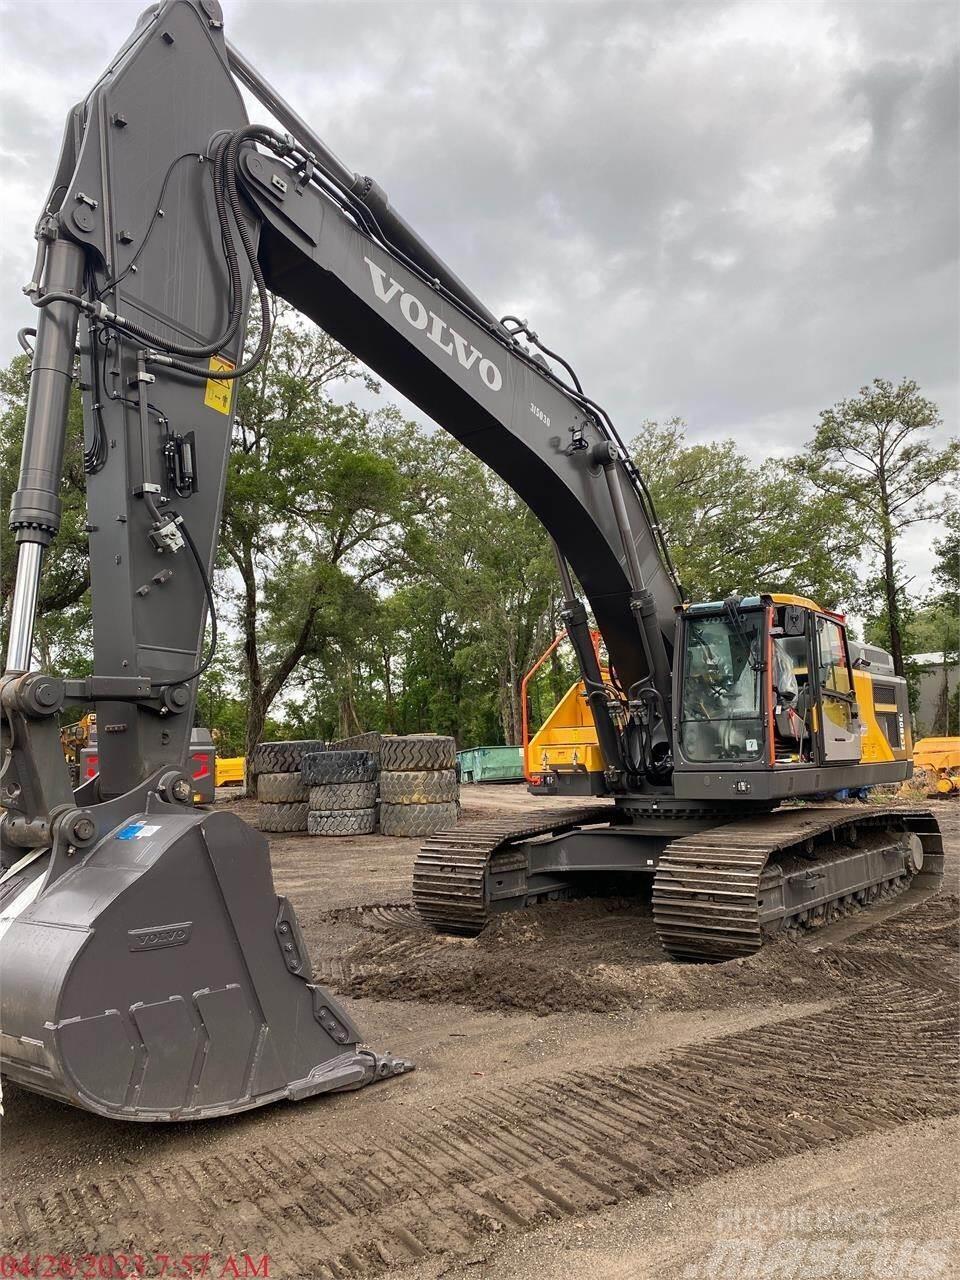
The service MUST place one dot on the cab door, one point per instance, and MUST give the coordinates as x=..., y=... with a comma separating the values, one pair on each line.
x=838, y=703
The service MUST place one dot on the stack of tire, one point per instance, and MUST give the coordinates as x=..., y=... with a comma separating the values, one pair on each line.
x=281, y=794
x=341, y=792
x=419, y=792
x=359, y=742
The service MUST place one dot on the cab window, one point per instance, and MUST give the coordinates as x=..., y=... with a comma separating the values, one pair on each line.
x=722, y=706
x=834, y=670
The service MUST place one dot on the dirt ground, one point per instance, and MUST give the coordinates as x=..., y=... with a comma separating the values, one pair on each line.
x=581, y=1107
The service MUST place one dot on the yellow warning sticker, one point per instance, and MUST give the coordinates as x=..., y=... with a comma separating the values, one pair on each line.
x=219, y=390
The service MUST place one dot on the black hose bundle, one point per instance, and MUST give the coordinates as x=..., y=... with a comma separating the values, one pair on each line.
x=230, y=212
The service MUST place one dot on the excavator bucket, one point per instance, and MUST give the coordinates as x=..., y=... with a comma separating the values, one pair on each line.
x=162, y=978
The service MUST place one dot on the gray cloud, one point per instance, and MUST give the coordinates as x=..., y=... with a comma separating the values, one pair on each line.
x=737, y=212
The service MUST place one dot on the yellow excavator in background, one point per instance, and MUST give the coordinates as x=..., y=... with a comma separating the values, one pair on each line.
x=566, y=741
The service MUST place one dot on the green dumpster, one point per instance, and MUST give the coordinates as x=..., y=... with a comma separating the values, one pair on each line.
x=490, y=764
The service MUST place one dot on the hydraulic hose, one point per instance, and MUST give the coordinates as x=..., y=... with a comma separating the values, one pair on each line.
x=227, y=199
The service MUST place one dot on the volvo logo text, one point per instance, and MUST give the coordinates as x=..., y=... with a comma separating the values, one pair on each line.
x=438, y=331
x=159, y=935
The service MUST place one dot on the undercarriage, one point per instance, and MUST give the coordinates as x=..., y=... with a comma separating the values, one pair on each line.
x=722, y=884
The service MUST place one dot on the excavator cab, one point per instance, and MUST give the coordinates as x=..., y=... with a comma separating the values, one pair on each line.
x=772, y=699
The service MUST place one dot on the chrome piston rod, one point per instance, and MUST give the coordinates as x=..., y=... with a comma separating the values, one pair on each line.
x=35, y=507
x=24, y=608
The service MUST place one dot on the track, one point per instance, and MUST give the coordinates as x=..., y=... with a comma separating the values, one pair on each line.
x=713, y=891
x=330, y=1204
x=710, y=889
x=450, y=873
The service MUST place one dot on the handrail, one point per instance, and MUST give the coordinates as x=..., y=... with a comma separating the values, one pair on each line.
x=524, y=708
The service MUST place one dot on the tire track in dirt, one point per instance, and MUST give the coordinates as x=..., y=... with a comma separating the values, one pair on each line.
x=338, y=1205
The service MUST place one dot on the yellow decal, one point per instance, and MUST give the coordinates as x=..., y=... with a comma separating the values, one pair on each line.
x=219, y=391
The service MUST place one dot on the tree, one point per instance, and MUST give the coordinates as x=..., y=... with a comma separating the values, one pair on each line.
x=487, y=560
x=732, y=525
x=316, y=494
x=943, y=613
x=875, y=454
x=945, y=593
x=457, y=617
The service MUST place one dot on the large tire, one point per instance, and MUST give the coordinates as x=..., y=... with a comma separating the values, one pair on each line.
x=280, y=788
x=282, y=817
x=422, y=786
x=282, y=757
x=342, y=822
x=359, y=742
x=343, y=795
x=325, y=767
x=417, y=819
x=418, y=751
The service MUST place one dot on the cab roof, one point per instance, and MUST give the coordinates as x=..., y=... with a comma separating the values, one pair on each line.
x=755, y=602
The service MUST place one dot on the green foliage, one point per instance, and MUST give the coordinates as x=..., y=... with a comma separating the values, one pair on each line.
x=874, y=453
x=873, y=450
x=487, y=562
x=218, y=705
x=462, y=610
x=732, y=525
x=943, y=602
x=316, y=494
x=934, y=627
x=930, y=628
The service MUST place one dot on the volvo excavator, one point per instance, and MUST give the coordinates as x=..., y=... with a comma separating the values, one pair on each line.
x=150, y=971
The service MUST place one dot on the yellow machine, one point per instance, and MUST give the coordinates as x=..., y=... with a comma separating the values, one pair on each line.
x=566, y=743
x=939, y=760
x=74, y=738
x=231, y=769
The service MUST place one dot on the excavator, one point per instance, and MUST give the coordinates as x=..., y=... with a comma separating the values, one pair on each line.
x=150, y=970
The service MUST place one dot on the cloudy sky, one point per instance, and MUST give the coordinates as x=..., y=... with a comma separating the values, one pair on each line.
x=734, y=212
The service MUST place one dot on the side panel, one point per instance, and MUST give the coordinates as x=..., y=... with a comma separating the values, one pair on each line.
x=884, y=712
x=722, y=786
x=567, y=739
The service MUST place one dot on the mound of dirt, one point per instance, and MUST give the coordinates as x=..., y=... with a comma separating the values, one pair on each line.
x=593, y=956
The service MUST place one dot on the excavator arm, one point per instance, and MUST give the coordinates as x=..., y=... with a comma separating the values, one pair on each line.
x=479, y=383
x=135, y=230
x=150, y=970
